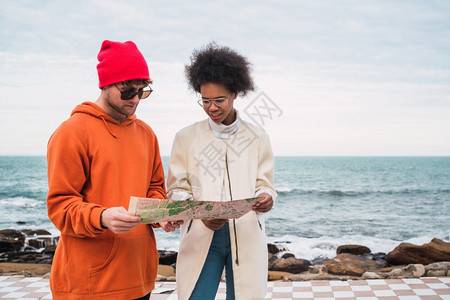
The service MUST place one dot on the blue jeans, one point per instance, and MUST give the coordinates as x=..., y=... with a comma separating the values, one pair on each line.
x=219, y=256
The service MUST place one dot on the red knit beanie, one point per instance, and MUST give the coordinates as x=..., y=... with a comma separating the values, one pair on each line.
x=120, y=62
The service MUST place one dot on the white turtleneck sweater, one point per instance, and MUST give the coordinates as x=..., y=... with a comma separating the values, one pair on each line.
x=224, y=132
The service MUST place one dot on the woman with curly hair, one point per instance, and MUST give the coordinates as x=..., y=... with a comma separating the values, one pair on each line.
x=222, y=158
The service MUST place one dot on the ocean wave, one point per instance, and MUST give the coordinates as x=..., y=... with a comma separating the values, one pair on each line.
x=19, y=202
x=353, y=193
x=285, y=190
x=336, y=193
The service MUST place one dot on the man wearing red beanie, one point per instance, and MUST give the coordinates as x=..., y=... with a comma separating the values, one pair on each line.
x=97, y=159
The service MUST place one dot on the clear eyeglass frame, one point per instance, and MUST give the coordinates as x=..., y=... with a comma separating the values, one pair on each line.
x=219, y=101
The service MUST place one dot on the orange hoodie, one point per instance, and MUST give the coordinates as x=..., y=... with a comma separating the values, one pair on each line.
x=95, y=163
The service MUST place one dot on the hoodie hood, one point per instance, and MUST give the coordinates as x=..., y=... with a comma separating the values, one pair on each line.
x=94, y=110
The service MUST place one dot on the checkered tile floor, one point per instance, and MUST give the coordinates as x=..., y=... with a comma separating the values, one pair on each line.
x=27, y=288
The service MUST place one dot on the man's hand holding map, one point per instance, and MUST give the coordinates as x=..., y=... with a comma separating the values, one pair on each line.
x=163, y=210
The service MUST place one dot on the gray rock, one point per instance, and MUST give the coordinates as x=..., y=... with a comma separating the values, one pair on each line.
x=442, y=265
x=410, y=271
x=352, y=249
x=318, y=269
x=371, y=275
x=291, y=265
x=436, y=273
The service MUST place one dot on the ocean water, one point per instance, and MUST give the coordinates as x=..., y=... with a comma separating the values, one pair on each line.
x=323, y=202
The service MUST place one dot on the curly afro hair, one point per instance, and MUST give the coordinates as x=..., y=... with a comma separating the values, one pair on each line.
x=221, y=65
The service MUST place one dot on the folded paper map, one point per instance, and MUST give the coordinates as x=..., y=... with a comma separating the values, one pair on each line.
x=162, y=210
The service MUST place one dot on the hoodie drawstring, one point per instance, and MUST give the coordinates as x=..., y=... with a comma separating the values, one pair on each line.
x=107, y=127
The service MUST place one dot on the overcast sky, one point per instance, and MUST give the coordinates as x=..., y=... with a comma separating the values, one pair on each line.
x=352, y=77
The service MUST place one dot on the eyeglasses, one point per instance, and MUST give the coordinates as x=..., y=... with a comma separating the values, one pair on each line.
x=131, y=93
x=219, y=102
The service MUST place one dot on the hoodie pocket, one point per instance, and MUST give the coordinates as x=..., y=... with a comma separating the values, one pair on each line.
x=109, y=258
x=132, y=263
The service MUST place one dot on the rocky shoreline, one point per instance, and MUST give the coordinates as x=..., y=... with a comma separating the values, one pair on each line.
x=30, y=253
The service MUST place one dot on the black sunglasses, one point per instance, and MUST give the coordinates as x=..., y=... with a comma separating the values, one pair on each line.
x=131, y=93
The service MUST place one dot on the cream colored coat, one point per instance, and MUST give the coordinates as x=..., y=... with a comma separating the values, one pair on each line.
x=200, y=165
